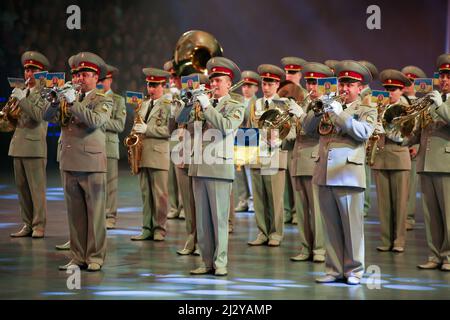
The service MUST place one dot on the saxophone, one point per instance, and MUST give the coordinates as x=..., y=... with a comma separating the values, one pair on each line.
x=10, y=113
x=372, y=144
x=134, y=144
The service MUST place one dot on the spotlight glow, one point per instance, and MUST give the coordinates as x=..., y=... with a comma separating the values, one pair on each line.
x=213, y=292
x=259, y=280
x=408, y=287
x=198, y=281
x=147, y=294
x=256, y=288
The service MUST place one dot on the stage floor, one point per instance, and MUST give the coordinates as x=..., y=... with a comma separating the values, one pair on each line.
x=153, y=270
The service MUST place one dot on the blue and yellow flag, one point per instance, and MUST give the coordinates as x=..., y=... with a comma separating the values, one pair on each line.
x=246, y=146
x=326, y=86
x=40, y=75
x=423, y=85
x=55, y=79
x=436, y=79
x=379, y=97
x=134, y=97
x=190, y=82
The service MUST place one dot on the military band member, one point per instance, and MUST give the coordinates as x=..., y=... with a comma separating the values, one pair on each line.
x=433, y=166
x=242, y=185
x=175, y=195
x=84, y=163
x=268, y=180
x=391, y=168
x=114, y=126
x=293, y=67
x=306, y=152
x=412, y=73
x=186, y=131
x=213, y=172
x=75, y=81
x=340, y=175
x=366, y=95
x=154, y=165
x=28, y=147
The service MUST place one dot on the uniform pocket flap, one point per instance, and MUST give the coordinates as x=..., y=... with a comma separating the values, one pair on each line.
x=33, y=137
x=161, y=148
x=447, y=149
x=355, y=159
x=93, y=149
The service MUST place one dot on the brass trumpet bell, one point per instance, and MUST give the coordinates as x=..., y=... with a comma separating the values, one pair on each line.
x=193, y=50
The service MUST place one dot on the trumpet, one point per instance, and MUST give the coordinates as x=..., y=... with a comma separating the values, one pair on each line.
x=11, y=112
x=322, y=107
x=54, y=95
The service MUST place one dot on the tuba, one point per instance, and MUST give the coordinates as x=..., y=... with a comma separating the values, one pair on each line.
x=134, y=143
x=193, y=50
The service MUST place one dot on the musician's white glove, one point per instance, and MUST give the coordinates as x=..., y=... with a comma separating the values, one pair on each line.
x=140, y=128
x=295, y=109
x=69, y=95
x=436, y=97
x=336, y=108
x=204, y=101
x=18, y=93
x=174, y=91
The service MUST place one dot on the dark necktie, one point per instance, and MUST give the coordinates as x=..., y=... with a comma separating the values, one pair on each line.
x=150, y=107
x=82, y=95
x=344, y=107
x=444, y=97
x=28, y=93
x=266, y=105
x=215, y=102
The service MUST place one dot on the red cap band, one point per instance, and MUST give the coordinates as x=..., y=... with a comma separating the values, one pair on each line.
x=33, y=63
x=222, y=70
x=155, y=79
x=270, y=76
x=411, y=75
x=251, y=81
x=293, y=67
x=89, y=65
x=393, y=83
x=315, y=75
x=444, y=66
x=351, y=75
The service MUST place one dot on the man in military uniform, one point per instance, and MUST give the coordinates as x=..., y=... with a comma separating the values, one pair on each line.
x=154, y=164
x=175, y=195
x=269, y=175
x=340, y=175
x=433, y=166
x=28, y=148
x=84, y=163
x=75, y=81
x=114, y=126
x=293, y=67
x=184, y=139
x=366, y=95
x=391, y=167
x=241, y=185
x=412, y=73
x=213, y=172
x=306, y=152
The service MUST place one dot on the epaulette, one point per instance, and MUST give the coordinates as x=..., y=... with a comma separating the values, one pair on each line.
x=166, y=101
x=100, y=94
x=117, y=96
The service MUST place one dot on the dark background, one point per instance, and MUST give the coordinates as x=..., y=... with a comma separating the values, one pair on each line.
x=135, y=34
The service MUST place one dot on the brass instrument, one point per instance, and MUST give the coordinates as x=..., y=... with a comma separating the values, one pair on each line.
x=193, y=50
x=134, y=143
x=10, y=113
x=277, y=118
x=418, y=110
x=320, y=107
x=372, y=144
x=54, y=96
